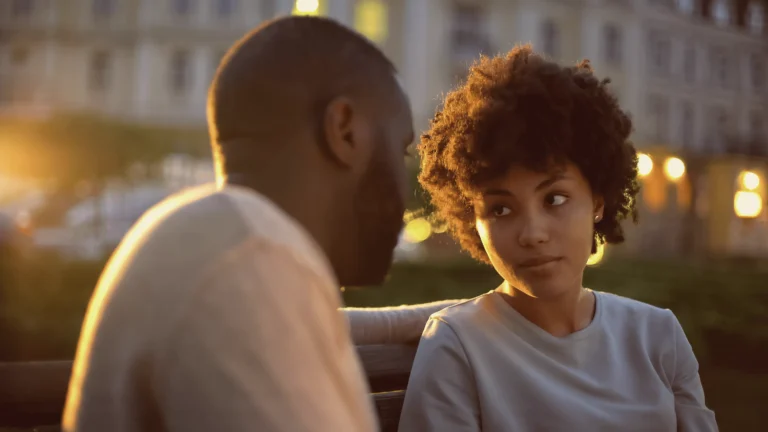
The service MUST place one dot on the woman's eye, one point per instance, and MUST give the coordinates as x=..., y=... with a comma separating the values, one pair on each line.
x=500, y=211
x=556, y=199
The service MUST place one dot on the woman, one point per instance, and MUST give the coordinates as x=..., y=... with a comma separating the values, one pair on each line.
x=530, y=165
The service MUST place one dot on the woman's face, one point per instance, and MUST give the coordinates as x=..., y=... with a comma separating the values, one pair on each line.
x=537, y=228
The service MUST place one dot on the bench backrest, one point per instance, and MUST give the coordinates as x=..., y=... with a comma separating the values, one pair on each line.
x=32, y=394
x=388, y=368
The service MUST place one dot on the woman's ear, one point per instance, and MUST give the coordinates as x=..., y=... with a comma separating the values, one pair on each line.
x=599, y=208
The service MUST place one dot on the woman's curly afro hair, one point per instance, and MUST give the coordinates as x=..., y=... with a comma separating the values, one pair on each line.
x=521, y=109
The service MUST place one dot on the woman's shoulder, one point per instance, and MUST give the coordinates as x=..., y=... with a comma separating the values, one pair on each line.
x=465, y=310
x=636, y=314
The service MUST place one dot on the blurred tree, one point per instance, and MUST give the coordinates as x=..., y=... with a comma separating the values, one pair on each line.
x=75, y=155
x=67, y=149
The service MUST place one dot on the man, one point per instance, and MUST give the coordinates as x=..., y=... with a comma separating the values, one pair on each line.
x=219, y=311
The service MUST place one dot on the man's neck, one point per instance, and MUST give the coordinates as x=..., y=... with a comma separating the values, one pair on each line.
x=308, y=207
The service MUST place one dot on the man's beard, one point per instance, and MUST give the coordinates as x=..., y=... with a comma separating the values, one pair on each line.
x=378, y=215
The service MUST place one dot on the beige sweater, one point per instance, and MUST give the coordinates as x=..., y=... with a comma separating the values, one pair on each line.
x=218, y=312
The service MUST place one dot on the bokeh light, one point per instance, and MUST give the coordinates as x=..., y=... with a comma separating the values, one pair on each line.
x=306, y=7
x=674, y=168
x=371, y=19
x=417, y=230
x=439, y=227
x=747, y=205
x=750, y=180
x=644, y=164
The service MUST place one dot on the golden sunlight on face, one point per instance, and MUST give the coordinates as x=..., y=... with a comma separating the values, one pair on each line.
x=537, y=228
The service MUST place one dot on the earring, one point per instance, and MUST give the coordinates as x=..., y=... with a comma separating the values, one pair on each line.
x=597, y=218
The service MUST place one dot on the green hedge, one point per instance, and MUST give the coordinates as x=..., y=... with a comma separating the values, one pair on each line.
x=712, y=300
x=722, y=305
x=42, y=315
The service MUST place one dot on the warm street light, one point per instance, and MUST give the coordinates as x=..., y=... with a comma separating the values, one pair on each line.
x=306, y=7
x=674, y=168
x=747, y=205
x=750, y=180
x=644, y=164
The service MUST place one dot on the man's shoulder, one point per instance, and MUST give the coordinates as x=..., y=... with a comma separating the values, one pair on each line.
x=200, y=204
x=217, y=219
x=210, y=203
x=271, y=225
x=193, y=219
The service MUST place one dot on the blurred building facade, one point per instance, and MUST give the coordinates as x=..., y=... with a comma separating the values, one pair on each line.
x=143, y=60
x=149, y=60
x=693, y=73
x=690, y=71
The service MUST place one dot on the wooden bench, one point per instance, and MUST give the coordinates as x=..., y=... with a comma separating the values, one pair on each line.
x=388, y=368
x=32, y=394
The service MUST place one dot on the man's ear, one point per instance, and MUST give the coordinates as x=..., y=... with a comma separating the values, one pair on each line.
x=344, y=131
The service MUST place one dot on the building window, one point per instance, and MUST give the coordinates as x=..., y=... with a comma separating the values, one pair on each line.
x=756, y=71
x=720, y=12
x=718, y=128
x=225, y=8
x=372, y=19
x=467, y=25
x=182, y=7
x=103, y=8
x=550, y=36
x=687, y=125
x=468, y=36
x=718, y=63
x=756, y=17
x=660, y=51
x=22, y=8
x=687, y=7
x=689, y=64
x=658, y=114
x=613, y=44
x=100, y=70
x=218, y=57
x=756, y=128
x=180, y=72
x=268, y=9
x=662, y=3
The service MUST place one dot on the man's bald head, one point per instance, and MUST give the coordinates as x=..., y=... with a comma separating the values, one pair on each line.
x=278, y=79
x=310, y=114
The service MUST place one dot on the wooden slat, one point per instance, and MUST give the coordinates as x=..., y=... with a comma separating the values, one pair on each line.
x=388, y=407
x=387, y=366
x=55, y=428
x=33, y=393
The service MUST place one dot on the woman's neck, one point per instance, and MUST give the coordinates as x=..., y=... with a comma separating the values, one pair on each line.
x=559, y=316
